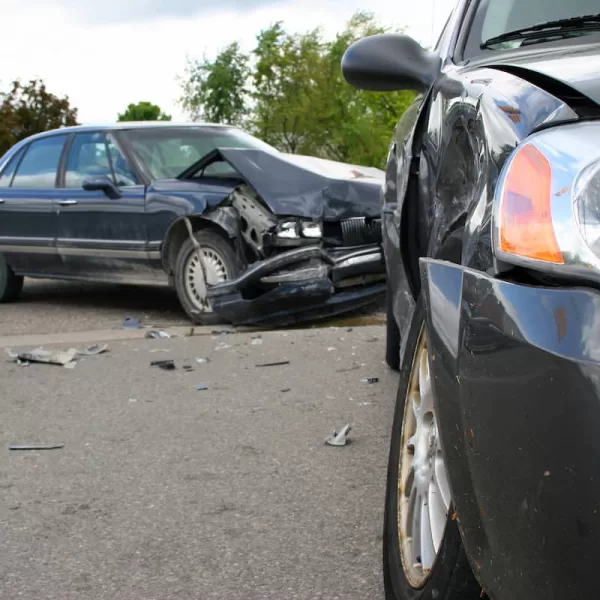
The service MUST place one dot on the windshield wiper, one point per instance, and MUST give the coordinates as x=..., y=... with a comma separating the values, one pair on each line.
x=561, y=27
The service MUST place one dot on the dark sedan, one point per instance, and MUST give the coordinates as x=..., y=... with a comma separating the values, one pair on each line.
x=491, y=236
x=243, y=232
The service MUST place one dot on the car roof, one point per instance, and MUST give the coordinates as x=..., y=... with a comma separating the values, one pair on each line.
x=122, y=126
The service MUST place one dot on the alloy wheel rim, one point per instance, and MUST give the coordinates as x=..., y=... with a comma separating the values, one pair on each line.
x=216, y=272
x=423, y=489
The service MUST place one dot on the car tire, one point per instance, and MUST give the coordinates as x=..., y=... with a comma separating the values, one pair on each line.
x=450, y=576
x=392, y=335
x=10, y=284
x=221, y=264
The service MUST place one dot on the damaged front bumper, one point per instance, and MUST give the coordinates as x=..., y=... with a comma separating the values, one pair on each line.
x=516, y=371
x=302, y=284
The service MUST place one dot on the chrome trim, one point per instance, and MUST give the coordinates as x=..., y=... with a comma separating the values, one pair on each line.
x=67, y=202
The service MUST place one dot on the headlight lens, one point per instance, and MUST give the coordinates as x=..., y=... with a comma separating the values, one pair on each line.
x=547, y=204
x=293, y=230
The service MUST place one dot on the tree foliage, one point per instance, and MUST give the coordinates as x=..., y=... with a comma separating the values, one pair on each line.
x=216, y=91
x=29, y=108
x=290, y=92
x=143, y=111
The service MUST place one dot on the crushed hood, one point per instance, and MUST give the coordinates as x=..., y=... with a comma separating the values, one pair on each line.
x=303, y=187
x=576, y=65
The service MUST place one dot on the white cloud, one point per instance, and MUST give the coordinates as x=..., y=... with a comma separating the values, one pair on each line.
x=103, y=67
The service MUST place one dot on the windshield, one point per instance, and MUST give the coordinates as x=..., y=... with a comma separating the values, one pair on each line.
x=497, y=17
x=167, y=151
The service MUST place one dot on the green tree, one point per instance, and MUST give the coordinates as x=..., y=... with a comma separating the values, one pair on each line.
x=29, y=108
x=286, y=80
x=143, y=111
x=216, y=91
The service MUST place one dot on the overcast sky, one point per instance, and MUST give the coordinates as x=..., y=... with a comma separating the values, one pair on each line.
x=104, y=55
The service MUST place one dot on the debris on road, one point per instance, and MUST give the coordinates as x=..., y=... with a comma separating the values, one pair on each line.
x=222, y=347
x=202, y=388
x=256, y=340
x=275, y=364
x=39, y=355
x=155, y=350
x=187, y=368
x=202, y=361
x=93, y=350
x=131, y=323
x=370, y=380
x=35, y=447
x=157, y=333
x=222, y=332
x=166, y=365
x=285, y=390
x=339, y=438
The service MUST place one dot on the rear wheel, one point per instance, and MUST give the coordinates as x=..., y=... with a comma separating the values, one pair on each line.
x=423, y=553
x=10, y=284
x=218, y=257
x=392, y=337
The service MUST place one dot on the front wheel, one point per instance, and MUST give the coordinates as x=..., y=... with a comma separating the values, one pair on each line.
x=10, y=284
x=220, y=265
x=423, y=554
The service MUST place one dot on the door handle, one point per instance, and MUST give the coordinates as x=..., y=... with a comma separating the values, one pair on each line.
x=2, y=201
x=67, y=202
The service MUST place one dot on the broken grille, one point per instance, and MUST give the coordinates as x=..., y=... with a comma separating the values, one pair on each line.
x=359, y=231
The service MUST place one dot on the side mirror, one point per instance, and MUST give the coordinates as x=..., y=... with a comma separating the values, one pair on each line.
x=102, y=183
x=390, y=62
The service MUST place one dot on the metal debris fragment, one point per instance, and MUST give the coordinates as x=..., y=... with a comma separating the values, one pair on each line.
x=166, y=365
x=157, y=333
x=275, y=364
x=370, y=380
x=35, y=447
x=202, y=388
x=93, y=350
x=339, y=438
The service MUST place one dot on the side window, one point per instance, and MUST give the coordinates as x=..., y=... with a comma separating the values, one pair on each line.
x=40, y=164
x=124, y=175
x=9, y=170
x=88, y=158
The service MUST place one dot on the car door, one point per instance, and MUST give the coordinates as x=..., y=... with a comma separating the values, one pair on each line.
x=101, y=237
x=28, y=223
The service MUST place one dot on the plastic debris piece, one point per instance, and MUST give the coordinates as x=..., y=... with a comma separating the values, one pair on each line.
x=35, y=447
x=71, y=365
x=339, y=438
x=332, y=349
x=275, y=364
x=11, y=353
x=285, y=390
x=155, y=350
x=222, y=347
x=131, y=323
x=166, y=365
x=202, y=388
x=157, y=333
x=132, y=400
x=202, y=361
x=188, y=367
x=257, y=342
x=52, y=357
x=23, y=363
x=370, y=380
x=93, y=350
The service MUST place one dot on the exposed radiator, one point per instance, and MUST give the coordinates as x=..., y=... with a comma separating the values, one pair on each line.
x=358, y=231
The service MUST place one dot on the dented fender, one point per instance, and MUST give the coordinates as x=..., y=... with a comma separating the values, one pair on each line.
x=516, y=375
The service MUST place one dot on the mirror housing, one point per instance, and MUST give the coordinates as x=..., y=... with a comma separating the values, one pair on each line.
x=390, y=62
x=102, y=183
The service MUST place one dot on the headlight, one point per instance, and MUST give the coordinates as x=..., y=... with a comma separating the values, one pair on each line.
x=295, y=230
x=547, y=203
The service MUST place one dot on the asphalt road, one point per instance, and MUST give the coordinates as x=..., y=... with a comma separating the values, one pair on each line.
x=48, y=306
x=165, y=492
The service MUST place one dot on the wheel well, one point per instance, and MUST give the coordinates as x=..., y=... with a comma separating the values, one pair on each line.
x=177, y=235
